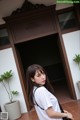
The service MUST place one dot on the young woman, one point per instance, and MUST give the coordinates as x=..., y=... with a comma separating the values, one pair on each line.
x=41, y=95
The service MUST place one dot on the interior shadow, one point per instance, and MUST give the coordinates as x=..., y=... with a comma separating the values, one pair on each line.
x=45, y=51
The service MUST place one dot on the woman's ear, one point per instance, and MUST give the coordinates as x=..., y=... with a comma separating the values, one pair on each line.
x=32, y=79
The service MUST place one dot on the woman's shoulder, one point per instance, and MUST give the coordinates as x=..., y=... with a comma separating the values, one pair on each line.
x=41, y=89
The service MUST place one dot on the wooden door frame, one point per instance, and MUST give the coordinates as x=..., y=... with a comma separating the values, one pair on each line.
x=65, y=60
x=65, y=65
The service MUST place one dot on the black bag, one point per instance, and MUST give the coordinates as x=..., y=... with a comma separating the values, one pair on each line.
x=66, y=118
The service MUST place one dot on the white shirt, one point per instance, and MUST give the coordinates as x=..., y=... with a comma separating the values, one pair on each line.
x=45, y=99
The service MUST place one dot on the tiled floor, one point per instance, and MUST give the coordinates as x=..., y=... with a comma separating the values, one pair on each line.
x=29, y=116
x=72, y=106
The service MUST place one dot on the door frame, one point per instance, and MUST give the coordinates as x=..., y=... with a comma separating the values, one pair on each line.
x=65, y=65
x=64, y=62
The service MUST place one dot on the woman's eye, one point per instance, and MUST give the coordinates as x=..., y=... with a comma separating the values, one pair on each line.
x=38, y=75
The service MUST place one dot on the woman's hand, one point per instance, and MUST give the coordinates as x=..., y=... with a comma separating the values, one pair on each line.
x=69, y=115
x=65, y=111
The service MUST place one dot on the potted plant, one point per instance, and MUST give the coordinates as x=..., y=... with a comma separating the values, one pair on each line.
x=77, y=60
x=12, y=107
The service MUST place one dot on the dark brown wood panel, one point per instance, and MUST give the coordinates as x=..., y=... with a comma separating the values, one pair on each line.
x=32, y=25
x=77, y=10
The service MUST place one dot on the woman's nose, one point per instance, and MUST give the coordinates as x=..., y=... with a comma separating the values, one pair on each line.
x=43, y=76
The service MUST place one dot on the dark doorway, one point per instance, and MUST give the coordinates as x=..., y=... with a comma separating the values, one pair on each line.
x=45, y=51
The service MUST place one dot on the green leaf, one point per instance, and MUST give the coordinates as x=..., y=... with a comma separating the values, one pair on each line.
x=4, y=78
x=6, y=75
x=77, y=58
x=1, y=79
x=15, y=92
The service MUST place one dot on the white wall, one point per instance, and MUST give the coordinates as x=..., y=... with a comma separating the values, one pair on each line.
x=72, y=46
x=7, y=62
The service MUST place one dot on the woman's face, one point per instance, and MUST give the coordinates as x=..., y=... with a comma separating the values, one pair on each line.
x=39, y=78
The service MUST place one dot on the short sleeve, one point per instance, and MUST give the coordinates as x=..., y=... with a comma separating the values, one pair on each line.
x=42, y=98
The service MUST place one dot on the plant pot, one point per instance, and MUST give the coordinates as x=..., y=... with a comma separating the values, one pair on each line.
x=13, y=109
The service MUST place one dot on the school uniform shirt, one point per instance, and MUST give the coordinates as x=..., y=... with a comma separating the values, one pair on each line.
x=45, y=99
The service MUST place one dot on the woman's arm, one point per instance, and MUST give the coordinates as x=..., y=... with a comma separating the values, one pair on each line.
x=51, y=113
